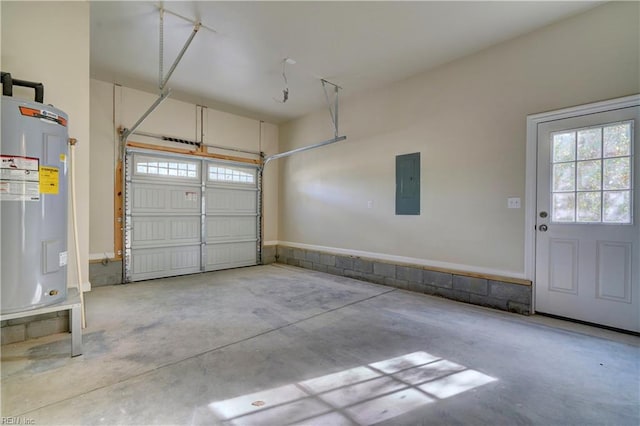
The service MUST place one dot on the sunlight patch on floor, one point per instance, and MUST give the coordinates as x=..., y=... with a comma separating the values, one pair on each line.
x=361, y=395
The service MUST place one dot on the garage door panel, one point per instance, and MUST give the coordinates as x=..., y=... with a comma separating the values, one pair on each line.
x=229, y=228
x=147, y=263
x=165, y=199
x=231, y=200
x=185, y=229
x=148, y=230
x=230, y=255
x=185, y=199
x=185, y=259
x=161, y=231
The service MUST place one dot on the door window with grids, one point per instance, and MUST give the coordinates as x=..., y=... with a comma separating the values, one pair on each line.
x=165, y=167
x=229, y=174
x=591, y=174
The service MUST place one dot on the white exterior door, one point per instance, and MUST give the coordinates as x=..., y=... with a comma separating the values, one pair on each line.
x=186, y=215
x=588, y=208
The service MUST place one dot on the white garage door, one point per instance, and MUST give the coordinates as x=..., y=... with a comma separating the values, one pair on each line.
x=172, y=229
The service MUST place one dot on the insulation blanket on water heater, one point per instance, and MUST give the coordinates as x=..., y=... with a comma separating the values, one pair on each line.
x=33, y=203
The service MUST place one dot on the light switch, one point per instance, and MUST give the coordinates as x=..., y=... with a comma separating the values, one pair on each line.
x=513, y=202
x=370, y=204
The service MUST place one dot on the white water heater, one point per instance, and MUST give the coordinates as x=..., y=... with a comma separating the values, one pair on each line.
x=33, y=200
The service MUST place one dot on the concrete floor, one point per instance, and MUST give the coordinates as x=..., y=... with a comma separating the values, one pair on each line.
x=274, y=345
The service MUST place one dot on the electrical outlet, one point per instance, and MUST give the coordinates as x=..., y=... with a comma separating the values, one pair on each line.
x=513, y=202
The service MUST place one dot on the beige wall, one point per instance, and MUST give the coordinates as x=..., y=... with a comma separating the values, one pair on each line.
x=114, y=106
x=269, y=145
x=103, y=164
x=468, y=121
x=48, y=42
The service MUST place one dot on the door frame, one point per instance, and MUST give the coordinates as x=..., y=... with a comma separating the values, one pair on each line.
x=531, y=171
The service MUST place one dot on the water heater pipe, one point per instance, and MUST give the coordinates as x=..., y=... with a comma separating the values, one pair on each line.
x=8, y=82
x=74, y=220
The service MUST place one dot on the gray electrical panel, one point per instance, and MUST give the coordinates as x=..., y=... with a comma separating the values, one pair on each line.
x=408, y=184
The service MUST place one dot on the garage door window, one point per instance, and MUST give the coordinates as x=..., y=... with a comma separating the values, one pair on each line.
x=231, y=175
x=168, y=168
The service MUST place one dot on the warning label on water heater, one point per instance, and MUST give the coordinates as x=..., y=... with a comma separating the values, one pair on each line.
x=49, y=180
x=19, y=178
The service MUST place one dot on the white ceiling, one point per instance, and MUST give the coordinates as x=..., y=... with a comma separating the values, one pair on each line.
x=358, y=45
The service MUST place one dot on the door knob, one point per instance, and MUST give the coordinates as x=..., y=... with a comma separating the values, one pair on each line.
x=543, y=228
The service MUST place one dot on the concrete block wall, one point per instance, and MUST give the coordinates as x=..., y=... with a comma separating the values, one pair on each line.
x=21, y=329
x=491, y=291
x=268, y=254
x=105, y=273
